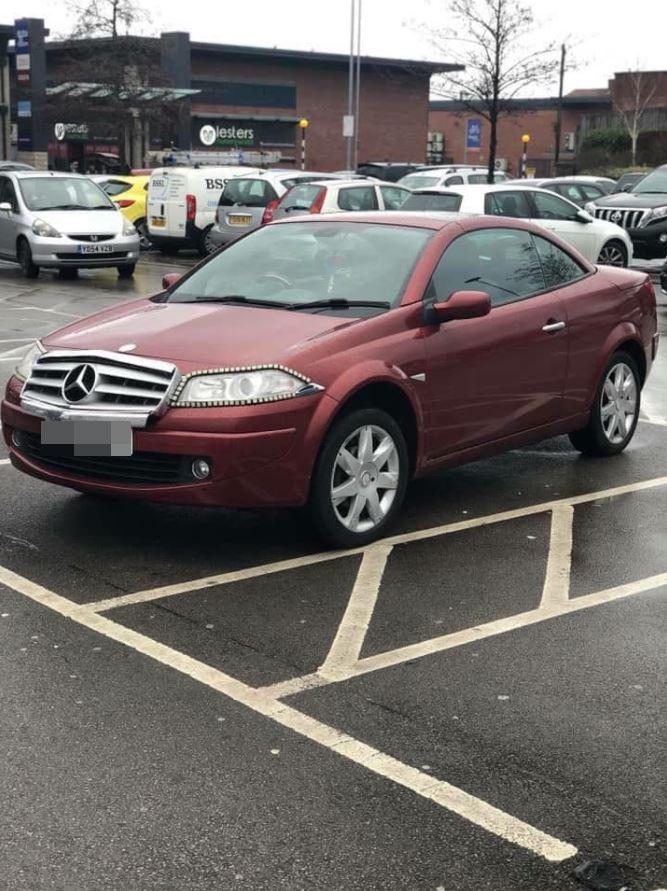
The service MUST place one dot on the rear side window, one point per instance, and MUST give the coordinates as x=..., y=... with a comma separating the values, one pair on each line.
x=247, y=193
x=357, y=198
x=453, y=181
x=502, y=262
x=115, y=187
x=590, y=192
x=433, y=201
x=559, y=268
x=393, y=198
x=300, y=197
x=507, y=204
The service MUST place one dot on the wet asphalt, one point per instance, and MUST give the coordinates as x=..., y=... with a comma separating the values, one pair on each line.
x=121, y=772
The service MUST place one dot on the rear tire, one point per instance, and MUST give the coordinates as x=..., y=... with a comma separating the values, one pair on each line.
x=613, y=253
x=615, y=410
x=204, y=245
x=126, y=271
x=364, y=452
x=24, y=255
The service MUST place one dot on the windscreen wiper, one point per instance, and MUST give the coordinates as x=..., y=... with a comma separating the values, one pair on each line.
x=340, y=303
x=241, y=298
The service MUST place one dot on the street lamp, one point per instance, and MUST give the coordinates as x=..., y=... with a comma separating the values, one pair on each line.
x=304, y=123
x=525, y=139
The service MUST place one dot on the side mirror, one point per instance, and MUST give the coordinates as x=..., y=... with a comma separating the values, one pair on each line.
x=582, y=216
x=461, y=305
x=6, y=207
x=170, y=279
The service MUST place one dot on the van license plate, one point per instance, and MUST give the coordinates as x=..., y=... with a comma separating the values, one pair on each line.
x=95, y=248
x=87, y=438
x=239, y=219
x=158, y=222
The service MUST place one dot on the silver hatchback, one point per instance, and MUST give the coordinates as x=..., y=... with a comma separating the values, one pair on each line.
x=62, y=221
x=244, y=200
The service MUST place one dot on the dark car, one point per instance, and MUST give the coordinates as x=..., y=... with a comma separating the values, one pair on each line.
x=627, y=181
x=642, y=212
x=389, y=171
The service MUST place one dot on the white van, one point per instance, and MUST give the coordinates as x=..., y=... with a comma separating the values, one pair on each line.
x=182, y=202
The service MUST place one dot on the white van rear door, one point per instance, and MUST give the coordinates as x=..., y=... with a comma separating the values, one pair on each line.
x=166, y=203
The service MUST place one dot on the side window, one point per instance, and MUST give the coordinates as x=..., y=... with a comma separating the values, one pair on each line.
x=453, y=181
x=7, y=193
x=357, y=198
x=567, y=190
x=507, y=204
x=550, y=207
x=590, y=192
x=393, y=198
x=559, y=267
x=502, y=262
x=300, y=197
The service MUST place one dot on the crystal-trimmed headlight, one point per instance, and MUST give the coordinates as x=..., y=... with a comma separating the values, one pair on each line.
x=24, y=367
x=45, y=230
x=241, y=386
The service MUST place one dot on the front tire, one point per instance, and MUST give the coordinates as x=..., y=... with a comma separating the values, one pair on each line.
x=25, y=260
x=126, y=271
x=615, y=410
x=613, y=253
x=360, y=478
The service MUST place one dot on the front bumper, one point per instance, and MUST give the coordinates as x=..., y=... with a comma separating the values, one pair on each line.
x=650, y=242
x=64, y=252
x=260, y=456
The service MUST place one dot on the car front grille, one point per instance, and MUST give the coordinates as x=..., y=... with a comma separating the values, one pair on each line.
x=149, y=468
x=628, y=219
x=92, y=238
x=113, y=383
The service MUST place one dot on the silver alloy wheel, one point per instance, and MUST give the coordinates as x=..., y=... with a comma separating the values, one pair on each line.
x=618, y=403
x=365, y=478
x=611, y=255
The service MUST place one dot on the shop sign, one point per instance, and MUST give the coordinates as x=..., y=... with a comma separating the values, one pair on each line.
x=473, y=133
x=226, y=134
x=71, y=132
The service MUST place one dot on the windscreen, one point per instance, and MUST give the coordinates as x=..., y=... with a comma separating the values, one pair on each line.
x=303, y=262
x=247, y=193
x=654, y=183
x=63, y=193
x=115, y=187
x=433, y=201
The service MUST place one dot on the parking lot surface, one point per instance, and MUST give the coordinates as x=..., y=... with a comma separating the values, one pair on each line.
x=205, y=699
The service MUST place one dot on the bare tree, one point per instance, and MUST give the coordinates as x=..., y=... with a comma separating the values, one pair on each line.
x=105, y=18
x=495, y=41
x=631, y=100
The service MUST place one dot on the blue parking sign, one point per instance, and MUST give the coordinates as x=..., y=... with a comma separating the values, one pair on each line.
x=473, y=133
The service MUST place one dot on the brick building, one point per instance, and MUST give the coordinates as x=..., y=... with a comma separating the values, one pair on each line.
x=582, y=111
x=248, y=98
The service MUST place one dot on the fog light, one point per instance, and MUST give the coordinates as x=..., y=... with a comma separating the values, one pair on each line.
x=201, y=469
x=663, y=237
x=15, y=439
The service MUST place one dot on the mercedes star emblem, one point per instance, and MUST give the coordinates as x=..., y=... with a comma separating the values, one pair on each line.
x=79, y=383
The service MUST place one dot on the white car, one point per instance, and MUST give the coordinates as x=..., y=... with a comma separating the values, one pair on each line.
x=433, y=177
x=336, y=196
x=182, y=203
x=598, y=240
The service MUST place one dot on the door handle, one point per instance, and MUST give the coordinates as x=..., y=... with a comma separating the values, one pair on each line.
x=553, y=326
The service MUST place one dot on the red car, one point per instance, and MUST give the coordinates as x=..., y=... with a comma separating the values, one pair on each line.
x=326, y=361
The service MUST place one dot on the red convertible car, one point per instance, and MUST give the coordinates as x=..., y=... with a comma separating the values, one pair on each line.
x=327, y=361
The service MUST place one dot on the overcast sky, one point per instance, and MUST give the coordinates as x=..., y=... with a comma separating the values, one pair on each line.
x=609, y=35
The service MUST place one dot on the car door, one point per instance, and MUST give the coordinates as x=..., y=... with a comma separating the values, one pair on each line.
x=560, y=217
x=495, y=376
x=8, y=218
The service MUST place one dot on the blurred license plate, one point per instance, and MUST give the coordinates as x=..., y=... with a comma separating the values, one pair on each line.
x=95, y=248
x=239, y=219
x=82, y=438
x=158, y=222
